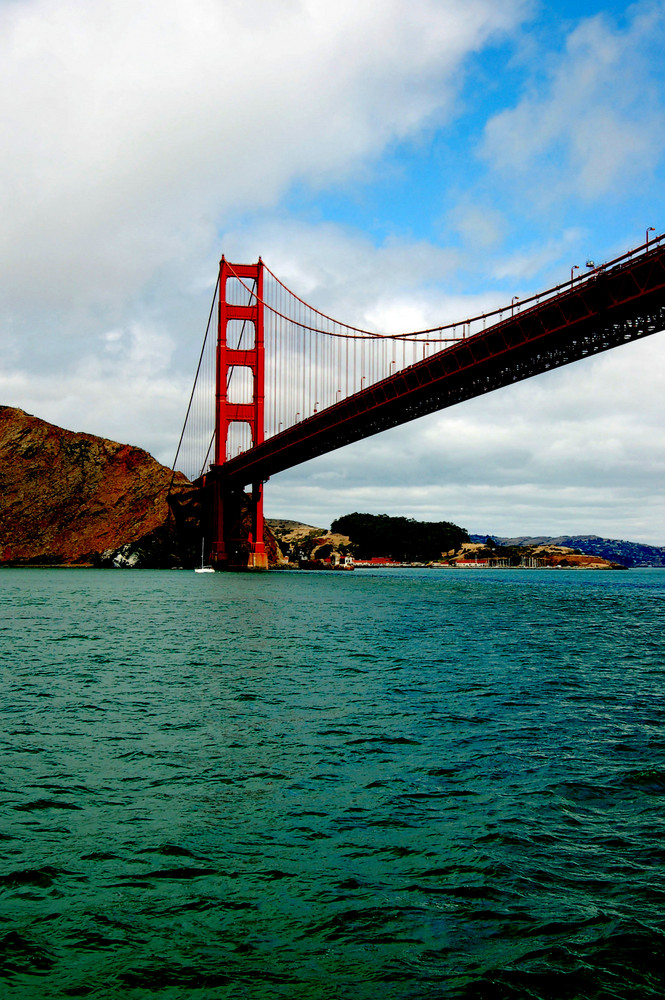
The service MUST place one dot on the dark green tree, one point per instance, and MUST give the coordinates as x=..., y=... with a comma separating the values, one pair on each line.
x=399, y=538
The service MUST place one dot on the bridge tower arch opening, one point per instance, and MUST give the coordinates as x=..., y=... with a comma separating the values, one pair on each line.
x=239, y=414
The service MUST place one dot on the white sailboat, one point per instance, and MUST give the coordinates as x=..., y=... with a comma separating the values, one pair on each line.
x=203, y=568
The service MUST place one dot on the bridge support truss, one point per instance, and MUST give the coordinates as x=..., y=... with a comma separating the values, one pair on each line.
x=237, y=517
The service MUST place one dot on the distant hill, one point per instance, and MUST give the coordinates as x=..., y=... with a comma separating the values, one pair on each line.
x=295, y=537
x=616, y=550
x=285, y=524
x=402, y=540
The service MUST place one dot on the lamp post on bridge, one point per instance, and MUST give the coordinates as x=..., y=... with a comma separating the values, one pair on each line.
x=650, y=229
x=574, y=268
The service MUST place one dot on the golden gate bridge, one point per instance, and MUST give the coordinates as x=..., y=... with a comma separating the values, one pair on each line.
x=279, y=382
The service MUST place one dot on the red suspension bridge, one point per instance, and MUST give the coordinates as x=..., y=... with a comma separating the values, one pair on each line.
x=279, y=382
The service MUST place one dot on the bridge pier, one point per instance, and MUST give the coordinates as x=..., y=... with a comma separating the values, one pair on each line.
x=257, y=556
x=236, y=526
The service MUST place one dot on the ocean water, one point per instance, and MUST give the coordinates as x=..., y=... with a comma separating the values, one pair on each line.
x=397, y=784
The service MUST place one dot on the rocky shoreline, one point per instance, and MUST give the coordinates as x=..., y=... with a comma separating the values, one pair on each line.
x=306, y=547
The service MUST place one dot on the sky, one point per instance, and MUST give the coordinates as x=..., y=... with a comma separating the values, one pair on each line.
x=396, y=162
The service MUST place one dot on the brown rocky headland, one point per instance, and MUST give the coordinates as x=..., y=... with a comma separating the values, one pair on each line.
x=74, y=499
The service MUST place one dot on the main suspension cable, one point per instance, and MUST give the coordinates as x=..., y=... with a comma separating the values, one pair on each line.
x=198, y=369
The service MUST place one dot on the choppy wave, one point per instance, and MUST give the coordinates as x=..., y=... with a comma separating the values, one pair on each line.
x=339, y=786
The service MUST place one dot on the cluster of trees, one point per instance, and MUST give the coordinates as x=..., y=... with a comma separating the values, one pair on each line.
x=400, y=538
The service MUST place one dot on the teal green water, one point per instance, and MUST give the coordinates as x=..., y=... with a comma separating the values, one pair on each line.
x=412, y=784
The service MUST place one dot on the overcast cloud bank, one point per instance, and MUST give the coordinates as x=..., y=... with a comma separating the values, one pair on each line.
x=140, y=141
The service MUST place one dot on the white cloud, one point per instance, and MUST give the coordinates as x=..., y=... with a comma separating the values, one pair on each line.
x=598, y=121
x=521, y=267
x=133, y=135
x=130, y=129
x=480, y=225
x=577, y=450
x=342, y=272
x=132, y=132
x=121, y=388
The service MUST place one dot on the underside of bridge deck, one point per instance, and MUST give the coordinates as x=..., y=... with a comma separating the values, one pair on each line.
x=612, y=307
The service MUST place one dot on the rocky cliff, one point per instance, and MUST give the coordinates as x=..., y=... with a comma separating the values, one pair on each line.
x=75, y=499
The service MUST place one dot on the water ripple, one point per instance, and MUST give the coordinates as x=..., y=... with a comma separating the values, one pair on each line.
x=332, y=787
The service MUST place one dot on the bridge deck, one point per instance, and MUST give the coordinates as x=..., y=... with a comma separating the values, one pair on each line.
x=613, y=306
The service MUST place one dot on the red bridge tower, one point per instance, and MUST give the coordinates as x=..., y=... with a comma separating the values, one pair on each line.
x=239, y=345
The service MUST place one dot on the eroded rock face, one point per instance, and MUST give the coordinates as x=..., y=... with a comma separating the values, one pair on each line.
x=74, y=499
